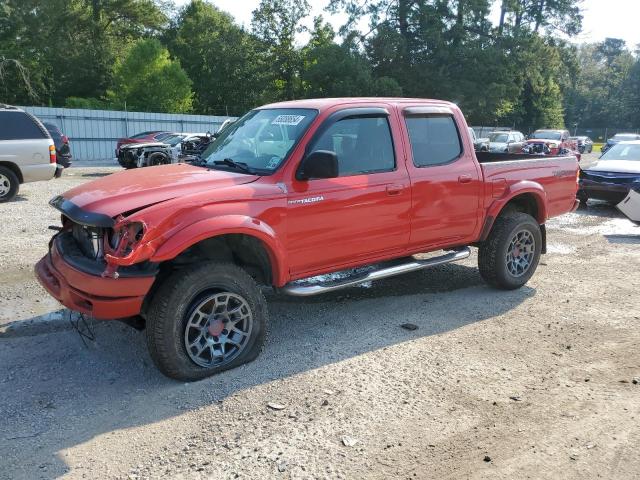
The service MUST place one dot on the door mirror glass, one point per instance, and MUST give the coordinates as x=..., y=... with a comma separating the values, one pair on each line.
x=318, y=164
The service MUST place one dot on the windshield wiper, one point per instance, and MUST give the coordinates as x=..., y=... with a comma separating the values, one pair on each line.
x=243, y=167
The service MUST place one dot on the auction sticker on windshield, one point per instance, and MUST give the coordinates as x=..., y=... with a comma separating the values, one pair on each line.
x=287, y=120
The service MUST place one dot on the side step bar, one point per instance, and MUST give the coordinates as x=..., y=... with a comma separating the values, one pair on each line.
x=306, y=290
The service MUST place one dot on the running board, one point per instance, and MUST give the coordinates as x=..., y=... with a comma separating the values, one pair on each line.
x=306, y=290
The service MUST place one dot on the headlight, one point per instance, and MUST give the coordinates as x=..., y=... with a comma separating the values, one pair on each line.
x=123, y=238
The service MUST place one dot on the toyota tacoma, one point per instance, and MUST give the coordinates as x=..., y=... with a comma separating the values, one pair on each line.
x=288, y=193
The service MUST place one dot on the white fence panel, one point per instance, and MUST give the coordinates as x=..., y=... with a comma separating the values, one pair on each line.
x=93, y=133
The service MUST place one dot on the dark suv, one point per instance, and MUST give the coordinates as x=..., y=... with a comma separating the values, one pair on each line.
x=63, y=149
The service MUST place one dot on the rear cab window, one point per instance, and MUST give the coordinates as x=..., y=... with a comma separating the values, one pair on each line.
x=434, y=137
x=16, y=125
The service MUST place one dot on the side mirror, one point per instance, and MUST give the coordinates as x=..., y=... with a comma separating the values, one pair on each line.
x=318, y=164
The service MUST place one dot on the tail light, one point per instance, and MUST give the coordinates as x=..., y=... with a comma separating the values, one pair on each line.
x=52, y=154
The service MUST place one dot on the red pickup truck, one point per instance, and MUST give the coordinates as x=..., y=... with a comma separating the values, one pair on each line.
x=289, y=192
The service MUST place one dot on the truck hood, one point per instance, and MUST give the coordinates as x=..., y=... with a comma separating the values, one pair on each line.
x=619, y=166
x=138, y=188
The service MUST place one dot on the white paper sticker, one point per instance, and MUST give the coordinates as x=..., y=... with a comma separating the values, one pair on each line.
x=287, y=120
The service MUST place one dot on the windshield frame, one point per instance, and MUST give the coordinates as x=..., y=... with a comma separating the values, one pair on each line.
x=231, y=128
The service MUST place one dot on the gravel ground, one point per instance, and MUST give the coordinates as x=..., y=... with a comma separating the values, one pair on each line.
x=533, y=383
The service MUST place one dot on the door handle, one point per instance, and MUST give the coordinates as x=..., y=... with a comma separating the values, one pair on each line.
x=465, y=178
x=394, y=189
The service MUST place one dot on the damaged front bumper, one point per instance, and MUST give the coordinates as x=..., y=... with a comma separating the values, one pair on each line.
x=611, y=187
x=80, y=286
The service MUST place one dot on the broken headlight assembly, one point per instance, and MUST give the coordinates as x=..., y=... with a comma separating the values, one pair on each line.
x=124, y=246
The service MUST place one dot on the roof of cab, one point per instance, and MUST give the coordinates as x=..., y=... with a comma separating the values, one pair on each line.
x=324, y=103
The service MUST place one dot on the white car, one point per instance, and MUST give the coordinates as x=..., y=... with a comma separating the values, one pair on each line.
x=27, y=152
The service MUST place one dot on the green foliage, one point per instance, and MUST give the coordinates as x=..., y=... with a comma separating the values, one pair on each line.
x=518, y=71
x=222, y=60
x=148, y=80
x=275, y=23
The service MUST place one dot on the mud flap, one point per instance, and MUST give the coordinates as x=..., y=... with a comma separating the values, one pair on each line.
x=543, y=233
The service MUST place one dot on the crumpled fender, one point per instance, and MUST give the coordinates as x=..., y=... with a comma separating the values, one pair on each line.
x=223, y=225
x=509, y=193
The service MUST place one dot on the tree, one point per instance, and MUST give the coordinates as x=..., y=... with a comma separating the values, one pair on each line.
x=221, y=59
x=69, y=47
x=148, y=80
x=276, y=23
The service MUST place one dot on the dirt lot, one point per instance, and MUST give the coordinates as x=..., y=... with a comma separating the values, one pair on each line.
x=535, y=383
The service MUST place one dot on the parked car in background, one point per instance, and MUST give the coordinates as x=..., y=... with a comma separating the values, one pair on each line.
x=63, y=149
x=479, y=144
x=619, y=137
x=290, y=192
x=612, y=176
x=27, y=151
x=550, y=142
x=585, y=144
x=142, y=137
x=506, y=142
x=138, y=155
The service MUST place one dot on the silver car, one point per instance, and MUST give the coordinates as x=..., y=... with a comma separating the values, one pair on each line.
x=27, y=152
x=506, y=142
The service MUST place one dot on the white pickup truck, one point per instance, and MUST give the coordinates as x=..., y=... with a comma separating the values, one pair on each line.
x=27, y=152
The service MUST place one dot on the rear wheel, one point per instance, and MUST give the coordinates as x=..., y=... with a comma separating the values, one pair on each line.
x=205, y=319
x=510, y=256
x=9, y=184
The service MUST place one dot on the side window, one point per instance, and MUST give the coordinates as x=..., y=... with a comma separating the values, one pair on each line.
x=434, y=140
x=362, y=145
x=19, y=126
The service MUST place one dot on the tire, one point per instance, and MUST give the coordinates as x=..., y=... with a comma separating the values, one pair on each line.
x=583, y=197
x=183, y=300
x=494, y=267
x=9, y=184
x=157, y=159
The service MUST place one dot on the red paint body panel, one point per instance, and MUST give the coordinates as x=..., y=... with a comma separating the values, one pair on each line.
x=103, y=298
x=360, y=219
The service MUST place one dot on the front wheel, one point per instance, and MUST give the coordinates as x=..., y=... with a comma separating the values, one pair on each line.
x=510, y=256
x=9, y=184
x=205, y=319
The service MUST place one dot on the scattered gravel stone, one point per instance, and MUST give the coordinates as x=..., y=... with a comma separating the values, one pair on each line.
x=275, y=406
x=487, y=458
x=409, y=326
x=348, y=441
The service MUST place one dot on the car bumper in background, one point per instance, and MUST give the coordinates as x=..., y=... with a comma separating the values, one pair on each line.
x=102, y=298
x=609, y=192
x=39, y=172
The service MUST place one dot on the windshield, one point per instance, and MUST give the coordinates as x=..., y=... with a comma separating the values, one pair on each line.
x=261, y=140
x=546, y=135
x=498, y=137
x=173, y=140
x=624, y=137
x=623, y=151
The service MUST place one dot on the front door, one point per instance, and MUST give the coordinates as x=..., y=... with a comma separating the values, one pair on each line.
x=361, y=214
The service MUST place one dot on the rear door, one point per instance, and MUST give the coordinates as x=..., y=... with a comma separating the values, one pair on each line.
x=446, y=179
x=23, y=140
x=364, y=212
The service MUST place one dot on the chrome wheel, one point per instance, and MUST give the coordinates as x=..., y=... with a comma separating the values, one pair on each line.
x=5, y=185
x=520, y=253
x=218, y=329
